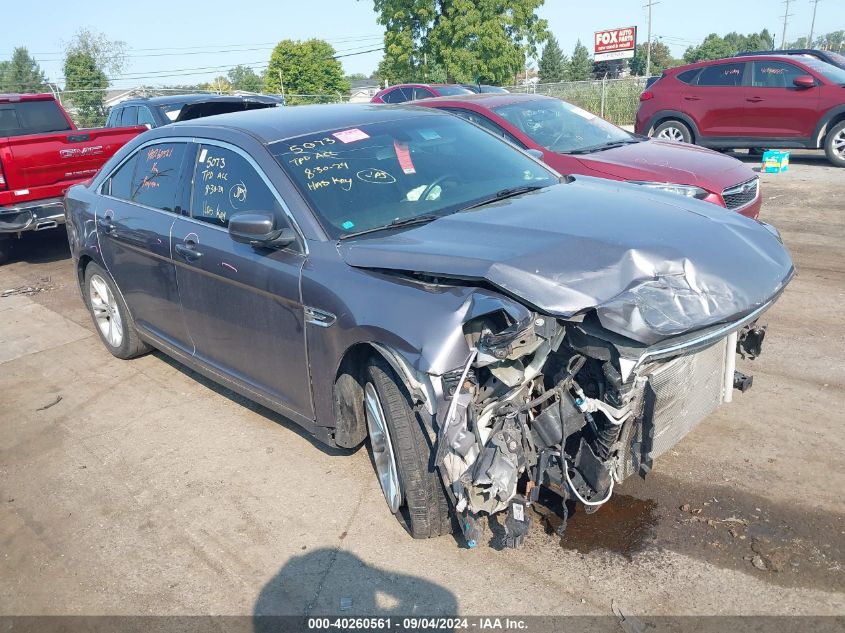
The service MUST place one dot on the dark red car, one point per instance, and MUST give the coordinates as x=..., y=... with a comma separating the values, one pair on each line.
x=755, y=101
x=400, y=93
x=574, y=141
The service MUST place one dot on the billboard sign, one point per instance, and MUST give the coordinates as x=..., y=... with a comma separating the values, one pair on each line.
x=615, y=43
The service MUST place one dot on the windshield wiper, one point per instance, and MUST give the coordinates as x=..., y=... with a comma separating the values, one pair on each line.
x=398, y=222
x=604, y=146
x=503, y=194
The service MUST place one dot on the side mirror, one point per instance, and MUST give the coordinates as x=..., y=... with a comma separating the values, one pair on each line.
x=804, y=81
x=259, y=229
x=535, y=153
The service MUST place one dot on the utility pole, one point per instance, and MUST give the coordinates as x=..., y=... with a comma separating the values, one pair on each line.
x=650, y=4
x=786, y=16
x=812, y=24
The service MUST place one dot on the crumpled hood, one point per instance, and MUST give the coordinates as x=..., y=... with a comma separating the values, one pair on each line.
x=652, y=264
x=665, y=161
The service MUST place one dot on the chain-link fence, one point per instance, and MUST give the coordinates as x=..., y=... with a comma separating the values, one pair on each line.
x=616, y=100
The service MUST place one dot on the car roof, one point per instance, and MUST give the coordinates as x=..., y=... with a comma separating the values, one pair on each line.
x=41, y=96
x=194, y=98
x=488, y=99
x=275, y=124
x=739, y=59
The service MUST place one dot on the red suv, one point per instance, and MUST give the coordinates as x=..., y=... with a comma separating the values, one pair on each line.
x=773, y=101
x=400, y=93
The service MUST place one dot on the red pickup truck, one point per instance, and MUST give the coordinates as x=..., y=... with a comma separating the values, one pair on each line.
x=42, y=153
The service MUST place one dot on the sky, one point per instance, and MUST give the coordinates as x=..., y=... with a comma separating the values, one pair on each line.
x=193, y=41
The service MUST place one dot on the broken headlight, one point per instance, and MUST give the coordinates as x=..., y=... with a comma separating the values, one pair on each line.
x=689, y=191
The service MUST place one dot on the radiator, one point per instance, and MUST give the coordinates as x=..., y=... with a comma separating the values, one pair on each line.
x=677, y=396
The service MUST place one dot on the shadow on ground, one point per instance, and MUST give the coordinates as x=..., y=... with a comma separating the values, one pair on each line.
x=338, y=583
x=39, y=247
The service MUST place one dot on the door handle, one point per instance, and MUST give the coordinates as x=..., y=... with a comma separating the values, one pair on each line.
x=106, y=222
x=188, y=250
x=692, y=98
x=755, y=99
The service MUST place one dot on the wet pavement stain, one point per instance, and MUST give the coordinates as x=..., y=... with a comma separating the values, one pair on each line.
x=624, y=525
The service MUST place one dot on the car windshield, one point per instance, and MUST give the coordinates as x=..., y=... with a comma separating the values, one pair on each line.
x=828, y=71
x=452, y=91
x=171, y=110
x=368, y=176
x=562, y=127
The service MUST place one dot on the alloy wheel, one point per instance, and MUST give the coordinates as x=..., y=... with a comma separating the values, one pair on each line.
x=671, y=134
x=383, y=456
x=105, y=310
x=838, y=145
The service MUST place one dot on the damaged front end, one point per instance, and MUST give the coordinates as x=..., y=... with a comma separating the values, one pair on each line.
x=568, y=405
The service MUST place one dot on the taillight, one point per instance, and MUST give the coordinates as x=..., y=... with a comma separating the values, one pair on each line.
x=2, y=179
x=645, y=96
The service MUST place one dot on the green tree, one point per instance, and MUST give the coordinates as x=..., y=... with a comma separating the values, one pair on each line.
x=553, y=62
x=108, y=55
x=356, y=77
x=305, y=68
x=89, y=60
x=471, y=40
x=244, y=78
x=715, y=47
x=661, y=59
x=580, y=66
x=219, y=84
x=22, y=74
x=85, y=88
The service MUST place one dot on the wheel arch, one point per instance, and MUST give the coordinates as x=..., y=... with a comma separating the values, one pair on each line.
x=831, y=118
x=667, y=115
x=348, y=389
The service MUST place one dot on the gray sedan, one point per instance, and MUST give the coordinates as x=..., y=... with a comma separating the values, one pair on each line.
x=399, y=274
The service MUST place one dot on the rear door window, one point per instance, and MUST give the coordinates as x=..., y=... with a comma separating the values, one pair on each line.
x=225, y=183
x=688, y=76
x=770, y=74
x=129, y=116
x=722, y=75
x=397, y=95
x=145, y=117
x=155, y=175
x=422, y=93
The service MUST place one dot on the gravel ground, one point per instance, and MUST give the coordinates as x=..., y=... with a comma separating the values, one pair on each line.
x=140, y=488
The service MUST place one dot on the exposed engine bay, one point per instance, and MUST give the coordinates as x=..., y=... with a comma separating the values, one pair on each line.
x=564, y=405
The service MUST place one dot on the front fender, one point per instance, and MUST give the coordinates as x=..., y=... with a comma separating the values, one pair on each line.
x=417, y=327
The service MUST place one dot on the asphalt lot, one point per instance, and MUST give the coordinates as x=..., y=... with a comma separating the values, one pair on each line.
x=147, y=490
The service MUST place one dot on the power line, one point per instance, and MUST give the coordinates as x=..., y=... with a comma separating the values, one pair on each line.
x=213, y=49
x=203, y=70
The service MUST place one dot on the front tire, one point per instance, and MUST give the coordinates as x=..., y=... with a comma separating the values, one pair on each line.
x=673, y=130
x=834, y=145
x=111, y=317
x=403, y=455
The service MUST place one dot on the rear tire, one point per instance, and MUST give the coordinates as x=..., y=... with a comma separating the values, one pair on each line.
x=112, y=319
x=423, y=507
x=673, y=130
x=834, y=145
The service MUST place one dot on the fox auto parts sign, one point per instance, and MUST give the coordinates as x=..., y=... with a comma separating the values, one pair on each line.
x=615, y=43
